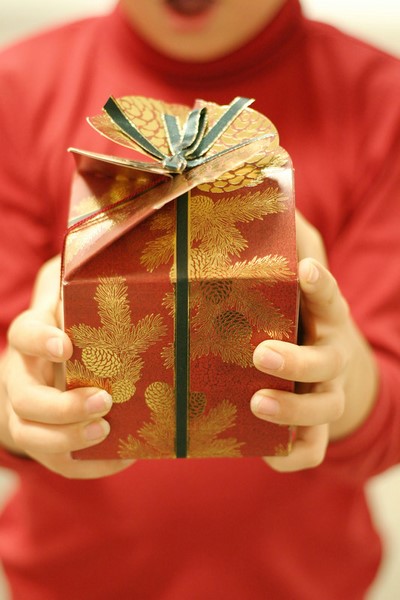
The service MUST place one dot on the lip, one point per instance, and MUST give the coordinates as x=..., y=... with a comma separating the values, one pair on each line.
x=191, y=22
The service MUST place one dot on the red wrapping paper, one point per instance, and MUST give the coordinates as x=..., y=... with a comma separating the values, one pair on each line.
x=120, y=288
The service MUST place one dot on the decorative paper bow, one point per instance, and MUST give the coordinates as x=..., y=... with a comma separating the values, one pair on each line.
x=189, y=147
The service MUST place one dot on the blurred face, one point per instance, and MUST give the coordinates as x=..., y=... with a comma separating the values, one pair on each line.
x=199, y=30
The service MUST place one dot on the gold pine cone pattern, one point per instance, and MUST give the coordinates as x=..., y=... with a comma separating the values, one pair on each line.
x=101, y=361
x=250, y=174
x=122, y=390
x=111, y=354
x=216, y=291
x=156, y=438
x=232, y=323
x=228, y=298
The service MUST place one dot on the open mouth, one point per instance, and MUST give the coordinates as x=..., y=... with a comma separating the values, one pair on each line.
x=189, y=8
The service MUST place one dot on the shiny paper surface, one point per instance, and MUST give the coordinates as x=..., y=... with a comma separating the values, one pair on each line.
x=120, y=296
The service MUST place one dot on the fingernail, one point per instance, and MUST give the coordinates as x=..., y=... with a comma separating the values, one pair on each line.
x=97, y=430
x=313, y=273
x=264, y=405
x=55, y=346
x=268, y=359
x=99, y=402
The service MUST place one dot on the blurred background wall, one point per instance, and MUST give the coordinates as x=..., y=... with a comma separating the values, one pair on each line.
x=375, y=21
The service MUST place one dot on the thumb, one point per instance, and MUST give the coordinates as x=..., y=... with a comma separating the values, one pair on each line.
x=321, y=295
x=33, y=333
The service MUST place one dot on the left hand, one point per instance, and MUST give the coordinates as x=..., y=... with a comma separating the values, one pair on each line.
x=335, y=370
x=37, y=419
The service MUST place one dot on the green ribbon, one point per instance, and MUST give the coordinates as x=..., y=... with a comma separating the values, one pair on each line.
x=182, y=340
x=188, y=148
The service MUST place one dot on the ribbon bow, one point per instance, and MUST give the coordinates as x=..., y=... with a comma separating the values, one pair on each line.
x=188, y=147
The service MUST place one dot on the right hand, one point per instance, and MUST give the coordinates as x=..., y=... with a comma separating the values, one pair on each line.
x=37, y=419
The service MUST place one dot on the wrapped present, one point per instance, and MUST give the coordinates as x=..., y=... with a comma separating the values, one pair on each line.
x=174, y=270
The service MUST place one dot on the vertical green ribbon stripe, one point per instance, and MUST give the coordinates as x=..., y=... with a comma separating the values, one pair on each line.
x=182, y=324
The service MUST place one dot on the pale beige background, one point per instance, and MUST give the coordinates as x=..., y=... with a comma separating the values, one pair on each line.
x=376, y=21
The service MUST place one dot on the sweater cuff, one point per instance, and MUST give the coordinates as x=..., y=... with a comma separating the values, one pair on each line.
x=375, y=445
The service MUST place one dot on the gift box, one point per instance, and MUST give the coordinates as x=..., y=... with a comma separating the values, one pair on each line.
x=174, y=269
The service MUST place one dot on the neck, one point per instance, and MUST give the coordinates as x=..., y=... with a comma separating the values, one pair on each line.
x=261, y=51
x=216, y=31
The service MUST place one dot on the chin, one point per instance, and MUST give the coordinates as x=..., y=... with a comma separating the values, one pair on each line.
x=191, y=53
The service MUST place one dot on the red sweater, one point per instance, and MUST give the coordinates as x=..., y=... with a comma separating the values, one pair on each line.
x=221, y=528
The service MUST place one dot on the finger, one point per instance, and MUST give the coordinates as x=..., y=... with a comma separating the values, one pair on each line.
x=44, y=404
x=309, y=240
x=33, y=399
x=53, y=439
x=288, y=408
x=298, y=363
x=33, y=333
x=46, y=293
x=308, y=451
x=321, y=294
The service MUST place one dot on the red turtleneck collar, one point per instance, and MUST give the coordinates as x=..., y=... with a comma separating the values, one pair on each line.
x=270, y=43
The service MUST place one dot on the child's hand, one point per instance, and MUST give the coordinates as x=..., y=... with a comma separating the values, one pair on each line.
x=335, y=369
x=37, y=419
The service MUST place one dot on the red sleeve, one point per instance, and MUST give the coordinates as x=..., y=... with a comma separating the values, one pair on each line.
x=375, y=446
x=365, y=258
x=25, y=218
x=25, y=224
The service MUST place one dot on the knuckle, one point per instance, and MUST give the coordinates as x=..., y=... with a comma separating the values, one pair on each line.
x=68, y=411
x=296, y=362
x=59, y=441
x=14, y=327
x=64, y=444
x=68, y=438
x=332, y=290
x=338, y=404
x=73, y=406
x=339, y=360
x=301, y=367
x=17, y=401
x=293, y=412
x=336, y=298
x=17, y=430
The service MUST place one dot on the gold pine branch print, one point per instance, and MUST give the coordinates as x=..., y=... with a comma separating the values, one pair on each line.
x=111, y=354
x=226, y=310
x=213, y=226
x=227, y=299
x=156, y=438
